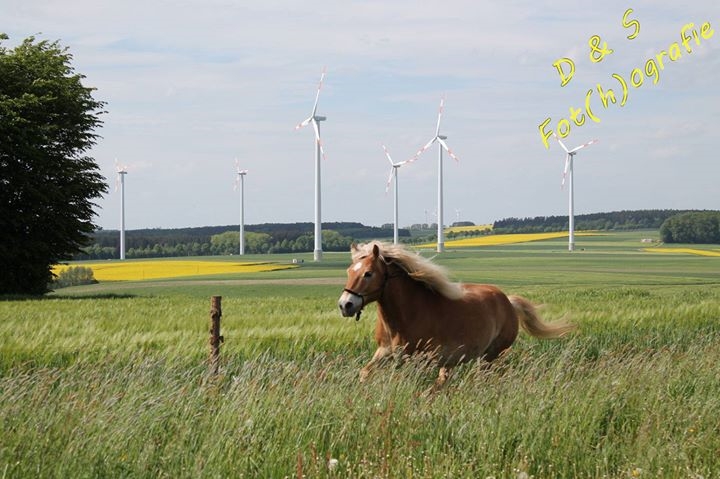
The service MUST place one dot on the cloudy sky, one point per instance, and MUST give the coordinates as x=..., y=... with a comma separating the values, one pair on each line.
x=191, y=85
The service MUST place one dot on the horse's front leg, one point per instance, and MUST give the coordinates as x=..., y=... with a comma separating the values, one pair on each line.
x=385, y=348
x=443, y=376
x=381, y=353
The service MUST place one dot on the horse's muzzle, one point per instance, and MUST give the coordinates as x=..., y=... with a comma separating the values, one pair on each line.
x=350, y=304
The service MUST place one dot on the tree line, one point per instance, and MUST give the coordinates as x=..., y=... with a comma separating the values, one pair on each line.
x=615, y=220
x=225, y=240
x=338, y=236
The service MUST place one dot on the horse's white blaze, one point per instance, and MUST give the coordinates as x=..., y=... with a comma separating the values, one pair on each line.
x=357, y=266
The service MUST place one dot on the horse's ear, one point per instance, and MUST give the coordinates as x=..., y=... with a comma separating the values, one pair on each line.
x=376, y=250
x=353, y=247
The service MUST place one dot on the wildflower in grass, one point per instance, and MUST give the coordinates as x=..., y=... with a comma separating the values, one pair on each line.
x=332, y=464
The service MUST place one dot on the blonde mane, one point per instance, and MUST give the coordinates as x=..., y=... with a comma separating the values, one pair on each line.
x=417, y=267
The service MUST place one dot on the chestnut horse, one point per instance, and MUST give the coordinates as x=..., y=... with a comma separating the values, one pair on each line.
x=421, y=311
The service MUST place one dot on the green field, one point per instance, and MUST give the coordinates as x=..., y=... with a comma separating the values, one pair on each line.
x=110, y=380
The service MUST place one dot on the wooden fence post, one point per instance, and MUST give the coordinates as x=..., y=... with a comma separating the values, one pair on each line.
x=215, y=337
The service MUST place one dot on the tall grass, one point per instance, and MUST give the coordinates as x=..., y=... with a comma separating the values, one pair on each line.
x=549, y=414
x=117, y=386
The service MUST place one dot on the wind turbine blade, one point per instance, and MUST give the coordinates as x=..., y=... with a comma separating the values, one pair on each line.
x=404, y=162
x=561, y=143
x=322, y=150
x=120, y=168
x=427, y=145
x=583, y=146
x=440, y=112
x=317, y=138
x=317, y=95
x=390, y=177
x=117, y=176
x=303, y=123
x=237, y=177
x=237, y=174
x=387, y=154
x=409, y=160
x=565, y=170
x=447, y=148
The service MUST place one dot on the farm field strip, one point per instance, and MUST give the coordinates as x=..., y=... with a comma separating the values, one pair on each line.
x=693, y=251
x=138, y=270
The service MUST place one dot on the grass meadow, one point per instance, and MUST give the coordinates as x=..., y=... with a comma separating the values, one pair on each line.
x=110, y=380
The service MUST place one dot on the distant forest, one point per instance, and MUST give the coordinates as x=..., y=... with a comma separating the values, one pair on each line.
x=615, y=221
x=298, y=237
x=225, y=240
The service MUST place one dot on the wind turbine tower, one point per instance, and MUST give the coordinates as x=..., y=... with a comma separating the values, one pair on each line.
x=440, y=139
x=241, y=180
x=394, y=176
x=568, y=171
x=315, y=119
x=121, y=172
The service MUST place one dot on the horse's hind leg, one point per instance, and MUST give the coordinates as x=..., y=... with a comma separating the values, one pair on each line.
x=494, y=350
x=443, y=375
x=503, y=341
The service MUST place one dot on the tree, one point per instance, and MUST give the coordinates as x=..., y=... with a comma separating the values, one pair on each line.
x=47, y=181
x=692, y=227
x=225, y=243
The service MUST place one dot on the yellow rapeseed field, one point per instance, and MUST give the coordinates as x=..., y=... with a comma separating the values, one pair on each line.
x=495, y=240
x=156, y=269
x=463, y=229
x=700, y=252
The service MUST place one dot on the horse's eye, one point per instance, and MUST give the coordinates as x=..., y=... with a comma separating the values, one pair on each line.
x=367, y=274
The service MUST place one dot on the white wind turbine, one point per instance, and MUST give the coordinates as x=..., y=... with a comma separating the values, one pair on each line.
x=394, y=176
x=240, y=178
x=315, y=119
x=120, y=183
x=440, y=139
x=568, y=171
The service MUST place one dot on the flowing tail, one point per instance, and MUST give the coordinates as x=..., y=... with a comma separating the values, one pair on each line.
x=531, y=322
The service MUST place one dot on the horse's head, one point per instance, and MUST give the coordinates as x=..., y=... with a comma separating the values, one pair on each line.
x=366, y=281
